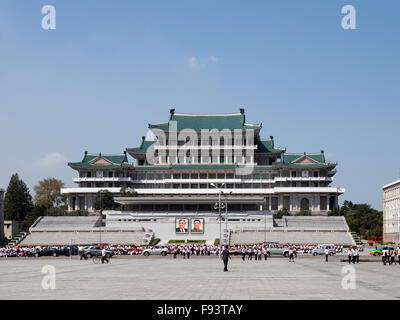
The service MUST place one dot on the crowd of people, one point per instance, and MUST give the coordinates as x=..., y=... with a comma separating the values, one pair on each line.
x=256, y=251
x=389, y=256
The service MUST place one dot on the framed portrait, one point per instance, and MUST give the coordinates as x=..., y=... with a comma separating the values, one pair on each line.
x=181, y=225
x=197, y=225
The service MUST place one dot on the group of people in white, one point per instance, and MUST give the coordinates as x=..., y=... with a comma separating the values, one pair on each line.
x=389, y=255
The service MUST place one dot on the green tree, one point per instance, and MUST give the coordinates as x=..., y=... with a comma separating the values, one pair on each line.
x=281, y=213
x=104, y=199
x=303, y=213
x=361, y=218
x=48, y=193
x=32, y=216
x=126, y=193
x=18, y=200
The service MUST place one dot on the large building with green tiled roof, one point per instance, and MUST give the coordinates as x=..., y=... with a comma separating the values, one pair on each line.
x=194, y=160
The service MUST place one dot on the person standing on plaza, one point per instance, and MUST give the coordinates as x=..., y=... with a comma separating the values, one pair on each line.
x=259, y=253
x=81, y=250
x=255, y=253
x=104, y=255
x=357, y=252
x=392, y=256
x=244, y=253
x=384, y=255
x=225, y=257
x=265, y=253
x=398, y=253
x=326, y=254
x=291, y=257
x=250, y=253
x=353, y=253
x=349, y=252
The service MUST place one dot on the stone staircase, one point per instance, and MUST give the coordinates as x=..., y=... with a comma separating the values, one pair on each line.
x=18, y=238
x=356, y=238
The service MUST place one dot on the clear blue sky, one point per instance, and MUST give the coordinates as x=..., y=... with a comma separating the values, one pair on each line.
x=112, y=67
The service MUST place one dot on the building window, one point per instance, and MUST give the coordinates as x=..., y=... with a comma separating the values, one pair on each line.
x=293, y=174
x=323, y=203
x=274, y=203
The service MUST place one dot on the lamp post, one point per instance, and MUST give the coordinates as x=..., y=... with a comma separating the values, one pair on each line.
x=226, y=209
x=219, y=209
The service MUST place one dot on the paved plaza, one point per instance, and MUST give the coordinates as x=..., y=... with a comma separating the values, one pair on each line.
x=198, y=278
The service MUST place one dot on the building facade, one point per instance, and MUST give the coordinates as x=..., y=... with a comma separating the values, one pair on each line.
x=391, y=212
x=1, y=216
x=197, y=160
x=11, y=229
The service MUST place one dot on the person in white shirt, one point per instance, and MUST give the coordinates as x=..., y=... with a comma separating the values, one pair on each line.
x=384, y=256
x=326, y=254
x=350, y=253
x=353, y=254
x=398, y=253
x=104, y=255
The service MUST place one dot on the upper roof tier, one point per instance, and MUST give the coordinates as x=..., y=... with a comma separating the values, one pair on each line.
x=306, y=160
x=197, y=122
x=102, y=161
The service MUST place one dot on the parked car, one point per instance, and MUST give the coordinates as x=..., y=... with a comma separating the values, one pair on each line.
x=92, y=251
x=322, y=247
x=379, y=251
x=276, y=249
x=156, y=250
x=49, y=251
x=70, y=250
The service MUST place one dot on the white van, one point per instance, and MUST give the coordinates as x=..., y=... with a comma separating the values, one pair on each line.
x=322, y=247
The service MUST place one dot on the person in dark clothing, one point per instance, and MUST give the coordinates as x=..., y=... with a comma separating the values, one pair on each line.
x=225, y=257
x=251, y=252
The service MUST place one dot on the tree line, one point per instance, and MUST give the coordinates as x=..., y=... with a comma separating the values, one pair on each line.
x=361, y=218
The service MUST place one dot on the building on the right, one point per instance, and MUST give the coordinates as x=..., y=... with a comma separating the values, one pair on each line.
x=391, y=212
x=1, y=216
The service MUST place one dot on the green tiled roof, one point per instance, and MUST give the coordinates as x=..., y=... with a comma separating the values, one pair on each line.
x=114, y=161
x=293, y=157
x=318, y=161
x=143, y=147
x=207, y=121
x=267, y=146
